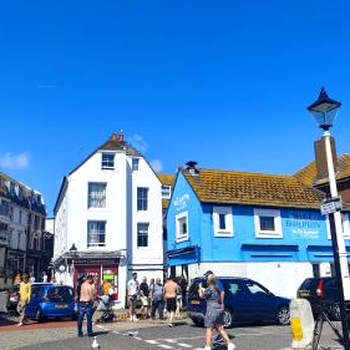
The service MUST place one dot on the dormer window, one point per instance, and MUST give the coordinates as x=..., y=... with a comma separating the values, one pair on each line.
x=107, y=160
x=166, y=191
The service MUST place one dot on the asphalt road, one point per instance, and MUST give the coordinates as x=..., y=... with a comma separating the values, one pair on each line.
x=182, y=337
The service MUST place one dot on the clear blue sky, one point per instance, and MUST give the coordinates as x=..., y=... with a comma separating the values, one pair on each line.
x=225, y=83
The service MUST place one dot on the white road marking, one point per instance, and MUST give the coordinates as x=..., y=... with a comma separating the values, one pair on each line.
x=170, y=340
x=184, y=345
x=164, y=346
x=153, y=342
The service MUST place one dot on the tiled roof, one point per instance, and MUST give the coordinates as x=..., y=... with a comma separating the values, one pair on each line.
x=166, y=179
x=238, y=187
x=307, y=175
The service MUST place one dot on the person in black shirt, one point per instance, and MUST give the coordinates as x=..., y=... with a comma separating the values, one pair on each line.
x=144, y=294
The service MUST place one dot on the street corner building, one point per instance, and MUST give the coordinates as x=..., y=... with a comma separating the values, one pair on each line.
x=24, y=242
x=108, y=218
x=265, y=227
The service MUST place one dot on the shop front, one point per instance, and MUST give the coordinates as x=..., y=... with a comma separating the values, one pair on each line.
x=103, y=269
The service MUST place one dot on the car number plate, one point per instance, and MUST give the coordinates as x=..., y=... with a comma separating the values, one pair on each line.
x=195, y=302
x=305, y=294
x=61, y=306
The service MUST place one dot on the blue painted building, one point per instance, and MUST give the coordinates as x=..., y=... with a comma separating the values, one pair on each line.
x=265, y=227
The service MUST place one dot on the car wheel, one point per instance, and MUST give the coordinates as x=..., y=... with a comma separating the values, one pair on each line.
x=283, y=316
x=228, y=318
x=335, y=312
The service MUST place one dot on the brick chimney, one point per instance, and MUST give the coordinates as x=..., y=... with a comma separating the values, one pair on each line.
x=117, y=137
x=321, y=159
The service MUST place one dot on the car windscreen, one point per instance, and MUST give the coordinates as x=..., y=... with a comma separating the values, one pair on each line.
x=193, y=290
x=309, y=284
x=58, y=294
x=37, y=291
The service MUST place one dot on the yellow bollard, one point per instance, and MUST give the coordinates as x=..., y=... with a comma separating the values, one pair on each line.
x=302, y=323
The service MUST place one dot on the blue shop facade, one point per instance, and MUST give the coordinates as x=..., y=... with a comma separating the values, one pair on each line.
x=236, y=227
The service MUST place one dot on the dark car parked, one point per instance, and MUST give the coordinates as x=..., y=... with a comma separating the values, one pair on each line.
x=246, y=301
x=321, y=292
x=50, y=300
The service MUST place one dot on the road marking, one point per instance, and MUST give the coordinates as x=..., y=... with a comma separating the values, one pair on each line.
x=153, y=342
x=170, y=340
x=184, y=345
x=164, y=346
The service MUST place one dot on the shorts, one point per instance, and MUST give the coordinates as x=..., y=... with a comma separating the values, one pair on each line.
x=144, y=301
x=171, y=304
x=132, y=300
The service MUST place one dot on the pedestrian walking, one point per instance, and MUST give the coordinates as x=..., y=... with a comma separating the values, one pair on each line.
x=133, y=293
x=214, y=317
x=157, y=297
x=87, y=296
x=178, y=299
x=183, y=284
x=25, y=291
x=170, y=289
x=144, y=294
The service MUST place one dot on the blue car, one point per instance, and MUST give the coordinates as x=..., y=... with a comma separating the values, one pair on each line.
x=246, y=301
x=50, y=300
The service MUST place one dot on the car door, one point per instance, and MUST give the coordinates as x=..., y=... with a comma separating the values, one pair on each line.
x=35, y=299
x=236, y=300
x=261, y=301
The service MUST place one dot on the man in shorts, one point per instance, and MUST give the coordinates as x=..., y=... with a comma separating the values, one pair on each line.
x=133, y=291
x=170, y=289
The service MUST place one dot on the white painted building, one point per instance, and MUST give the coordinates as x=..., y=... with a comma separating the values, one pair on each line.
x=109, y=210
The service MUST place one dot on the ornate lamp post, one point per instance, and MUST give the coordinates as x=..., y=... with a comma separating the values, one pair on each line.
x=324, y=110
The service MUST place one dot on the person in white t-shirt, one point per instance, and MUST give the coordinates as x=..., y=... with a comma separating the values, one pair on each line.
x=133, y=292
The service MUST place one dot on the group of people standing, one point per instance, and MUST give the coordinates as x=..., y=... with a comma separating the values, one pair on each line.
x=156, y=297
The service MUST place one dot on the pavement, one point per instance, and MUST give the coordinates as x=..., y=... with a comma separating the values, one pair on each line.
x=146, y=335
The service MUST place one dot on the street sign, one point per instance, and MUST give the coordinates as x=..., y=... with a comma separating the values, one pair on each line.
x=331, y=205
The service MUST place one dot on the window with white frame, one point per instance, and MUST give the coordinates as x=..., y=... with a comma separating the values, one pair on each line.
x=97, y=195
x=268, y=223
x=142, y=234
x=345, y=224
x=182, y=233
x=223, y=221
x=107, y=160
x=96, y=235
x=135, y=164
x=166, y=191
x=142, y=198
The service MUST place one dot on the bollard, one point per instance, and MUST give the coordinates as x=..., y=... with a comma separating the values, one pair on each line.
x=302, y=324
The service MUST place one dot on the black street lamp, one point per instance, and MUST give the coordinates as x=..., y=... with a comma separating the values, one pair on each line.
x=324, y=110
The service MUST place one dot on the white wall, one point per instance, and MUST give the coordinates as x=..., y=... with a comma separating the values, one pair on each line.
x=145, y=177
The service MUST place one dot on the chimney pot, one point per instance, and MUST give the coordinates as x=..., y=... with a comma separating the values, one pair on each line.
x=114, y=137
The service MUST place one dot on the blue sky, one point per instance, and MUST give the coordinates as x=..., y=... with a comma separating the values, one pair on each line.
x=225, y=83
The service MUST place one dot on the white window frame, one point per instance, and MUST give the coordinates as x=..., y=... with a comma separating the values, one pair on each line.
x=228, y=231
x=137, y=161
x=276, y=214
x=105, y=167
x=346, y=225
x=169, y=188
x=181, y=238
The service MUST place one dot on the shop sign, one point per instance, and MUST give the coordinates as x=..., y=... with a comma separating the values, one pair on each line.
x=305, y=225
x=180, y=203
x=95, y=262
